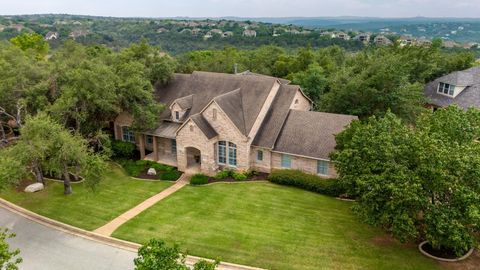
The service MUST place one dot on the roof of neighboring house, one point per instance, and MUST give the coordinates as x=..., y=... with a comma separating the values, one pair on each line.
x=204, y=126
x=311, y=134
x=469, y=97
x=275, y=117
x=207, y=86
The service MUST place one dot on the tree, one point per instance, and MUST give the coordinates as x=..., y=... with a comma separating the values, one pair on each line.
x=156, y=255
x=45, y=145
x=9, y=259
x=31, y=41
x=313, y=82
x=416, y=182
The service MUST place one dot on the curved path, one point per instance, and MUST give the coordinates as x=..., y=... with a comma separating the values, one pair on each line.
x=45, y=248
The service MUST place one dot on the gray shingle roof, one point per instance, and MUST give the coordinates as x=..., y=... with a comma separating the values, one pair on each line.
x=311, y=134
x=275, y=117
x=205, y=86
x=185, y=102
x=204, y=126
x=165, y=129
x=469, y=97
x=232, y=104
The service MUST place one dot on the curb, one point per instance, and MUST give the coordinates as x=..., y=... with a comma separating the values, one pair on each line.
x=110, y=241
x=420, y=248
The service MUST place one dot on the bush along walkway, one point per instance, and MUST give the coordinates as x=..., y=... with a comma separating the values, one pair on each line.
x=110, y=227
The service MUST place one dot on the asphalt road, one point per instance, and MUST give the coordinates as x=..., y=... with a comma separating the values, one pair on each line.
x=44, y=248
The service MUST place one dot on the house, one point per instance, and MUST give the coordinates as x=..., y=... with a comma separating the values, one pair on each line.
x=249, y=33
x=363, y=37
x=216, y=32
x=461, y=88
x=51, y=36
x=342, y=35
x=227, y=34
x=423, y=42
x=239, y=121
x=450, y=44
x=382, y=40
x=406, y=41
x=196, y=31
x=162, y=30
x=186, y=31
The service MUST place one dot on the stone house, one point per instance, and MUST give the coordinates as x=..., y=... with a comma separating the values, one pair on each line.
x=382, y=40
x=51, y=36
x=240, y=121
x=249, y=33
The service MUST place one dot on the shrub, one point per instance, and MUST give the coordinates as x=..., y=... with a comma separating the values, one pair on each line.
x=223, y=174
x=121, y=149
x=239, y=176
x=205, y=265
x=170, y=175
x=133, y=168
x=306, y=181
x=198, y=179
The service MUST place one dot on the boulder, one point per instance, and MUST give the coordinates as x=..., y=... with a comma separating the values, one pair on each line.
x=152, y=171
x=34, y=187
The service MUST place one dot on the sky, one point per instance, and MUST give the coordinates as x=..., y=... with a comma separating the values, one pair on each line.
x=246, y=8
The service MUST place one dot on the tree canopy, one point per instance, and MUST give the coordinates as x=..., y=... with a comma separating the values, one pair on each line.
x=416, y=182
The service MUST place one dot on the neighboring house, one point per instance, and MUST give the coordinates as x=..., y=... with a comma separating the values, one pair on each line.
x=460, y=87
x=227, y=34
x=450, y=44
x=216, y=31
x=196, y=31
x=342, y=35
x=382, y=40
x=51, y=35
x=406, y=41
x=423, y=42
x=249, y=33
x=162, y=30
x=238, y=121
x=186, y=31
x=363, y=37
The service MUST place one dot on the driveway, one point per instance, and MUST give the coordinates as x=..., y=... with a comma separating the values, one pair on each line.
x=44, y=248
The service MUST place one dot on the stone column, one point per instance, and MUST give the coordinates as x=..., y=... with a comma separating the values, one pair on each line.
x=141, y=145
x=155, y=148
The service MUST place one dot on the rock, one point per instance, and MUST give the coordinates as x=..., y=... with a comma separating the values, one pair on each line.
x=152, y=171
x=34, y=187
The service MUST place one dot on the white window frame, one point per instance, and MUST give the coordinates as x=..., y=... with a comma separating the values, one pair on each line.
x=446, y=89
x=222, y=144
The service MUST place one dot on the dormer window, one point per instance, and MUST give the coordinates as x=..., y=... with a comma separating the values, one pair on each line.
x=446, y=89
x=177, y=115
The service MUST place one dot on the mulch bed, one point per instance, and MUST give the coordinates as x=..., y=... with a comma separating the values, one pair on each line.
x=257, y=177
x=144, y=175
x=441, y=253
x=20, y=187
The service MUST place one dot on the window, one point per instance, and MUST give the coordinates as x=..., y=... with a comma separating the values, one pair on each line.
x=214, y=114
x=286, y=161
x=174, y=146
x=446, y=89
x=322, y=167
x=232, y=154
x=149, y=139
x=128, y=135
x=177, y=115
x=224, y=150
x=259, y=155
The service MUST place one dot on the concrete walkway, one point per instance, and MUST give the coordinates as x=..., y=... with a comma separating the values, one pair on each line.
x=110, y=227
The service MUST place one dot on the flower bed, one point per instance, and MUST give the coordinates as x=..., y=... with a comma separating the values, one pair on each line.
x=441, y=254
x=139, y=169
x=229, y=176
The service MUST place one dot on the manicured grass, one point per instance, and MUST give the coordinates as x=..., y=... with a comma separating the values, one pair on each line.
x=270, y=226
x=115, y=194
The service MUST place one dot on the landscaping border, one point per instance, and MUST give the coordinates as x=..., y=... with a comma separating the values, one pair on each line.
x=443, y=259
x=231, y=182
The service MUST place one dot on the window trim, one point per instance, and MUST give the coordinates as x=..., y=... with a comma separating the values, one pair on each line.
x=326, y=164
x=228, y=148
x=130, y=135
x=283, y=159
x=259, y=155
x=443, y=90
x=173, y=146
x=177, y=115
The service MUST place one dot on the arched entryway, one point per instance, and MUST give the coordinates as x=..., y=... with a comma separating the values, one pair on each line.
x=194, y=159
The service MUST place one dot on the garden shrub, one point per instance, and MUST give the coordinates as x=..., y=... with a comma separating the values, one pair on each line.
x=199, y=179
x=170, y=175
x=306, y=181
x=223, y=174
x=133, y=168
x=121, y=149
x=239, y=176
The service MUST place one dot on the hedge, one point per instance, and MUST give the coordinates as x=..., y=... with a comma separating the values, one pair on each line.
x=198, y=179
x=121, y=149
x=307, y=181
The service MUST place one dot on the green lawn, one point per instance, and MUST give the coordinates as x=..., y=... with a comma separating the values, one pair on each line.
x=115, y=194
x=270, y=226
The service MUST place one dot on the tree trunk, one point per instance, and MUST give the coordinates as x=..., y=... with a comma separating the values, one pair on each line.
x=38, y=172
x=67, y=186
